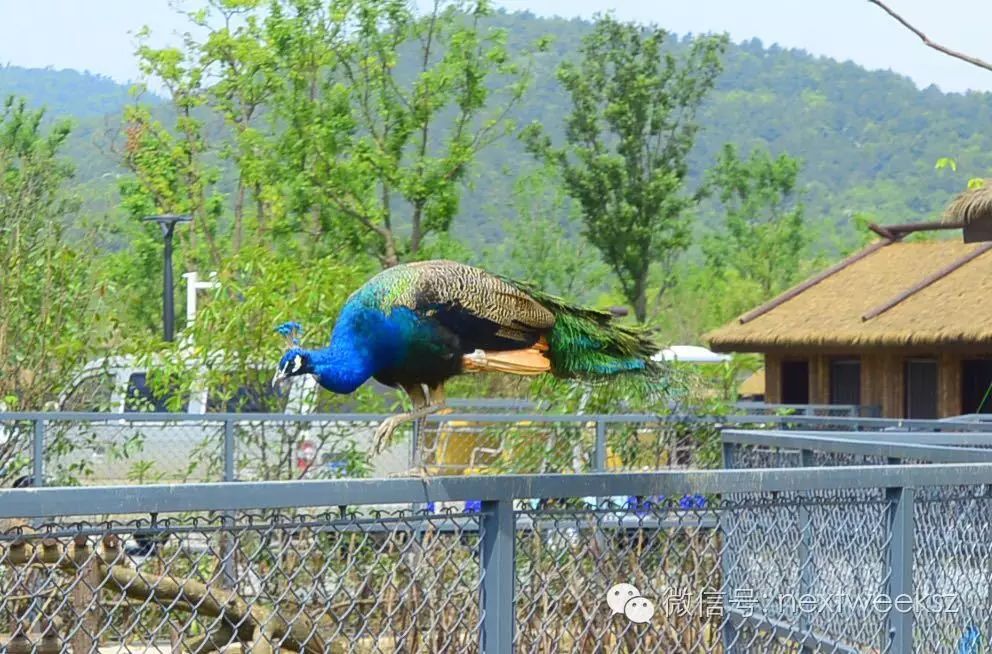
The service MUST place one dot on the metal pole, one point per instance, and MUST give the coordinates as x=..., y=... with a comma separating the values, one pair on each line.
x=228, y=450
x=805, y=550
x=900, y=559
x=725, y=520
x=168, y=299
x=229, y=577
x=729, y=452
x=497, y=576
x=599, y=454
x=38, y=453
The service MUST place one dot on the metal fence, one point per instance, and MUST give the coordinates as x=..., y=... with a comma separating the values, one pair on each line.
x=87, y=448
x=887, y=558
x=72, y=448
x=841, y=410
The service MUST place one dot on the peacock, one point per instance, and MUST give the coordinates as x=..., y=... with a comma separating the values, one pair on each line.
x=416, y=325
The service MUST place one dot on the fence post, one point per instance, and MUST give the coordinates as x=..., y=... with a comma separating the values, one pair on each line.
x=599, y=453
x=497, y=610
x=228, y=450
x=229, y=576
x=900, y=559
x=729, y=452
x=728, y=630
x=38, y=453
x=805, y=552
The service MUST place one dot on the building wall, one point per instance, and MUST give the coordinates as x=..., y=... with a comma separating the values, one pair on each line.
x=949, y=384
x=773, y=378
x=881, y=380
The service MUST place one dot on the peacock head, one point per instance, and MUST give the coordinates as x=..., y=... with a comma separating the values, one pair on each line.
x=295, y=362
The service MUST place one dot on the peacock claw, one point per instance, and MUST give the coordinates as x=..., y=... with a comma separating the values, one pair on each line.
x=384, y=433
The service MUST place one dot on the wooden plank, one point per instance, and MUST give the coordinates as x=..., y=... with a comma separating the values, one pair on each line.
x=949, y=385
x=773, y=378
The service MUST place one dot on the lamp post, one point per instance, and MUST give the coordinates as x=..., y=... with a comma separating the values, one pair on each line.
x=168, y=224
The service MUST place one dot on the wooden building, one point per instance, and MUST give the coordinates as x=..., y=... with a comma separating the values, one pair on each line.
x=904, y=326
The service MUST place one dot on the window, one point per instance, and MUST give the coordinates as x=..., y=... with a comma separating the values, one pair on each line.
x=141, y=398
x=247, y=392
x=976, y=386
x=91, y=394
x=845, y=381
x=795, y=382
x=921, y=389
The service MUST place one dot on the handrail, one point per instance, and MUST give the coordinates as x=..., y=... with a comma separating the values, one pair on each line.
x=173, y=498
x=863, y=447
x=839, y=421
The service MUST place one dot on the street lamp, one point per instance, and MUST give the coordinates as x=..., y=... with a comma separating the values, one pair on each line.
x=168, y=224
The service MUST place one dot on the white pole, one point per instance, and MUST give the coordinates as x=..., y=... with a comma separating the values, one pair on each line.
x=192, y=286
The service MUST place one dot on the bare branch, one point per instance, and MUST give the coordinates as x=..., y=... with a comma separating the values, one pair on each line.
x=975, y=61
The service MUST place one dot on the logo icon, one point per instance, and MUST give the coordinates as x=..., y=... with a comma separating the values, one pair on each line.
x=626, y=599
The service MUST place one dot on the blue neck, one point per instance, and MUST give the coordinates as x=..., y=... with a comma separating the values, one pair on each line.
x=341, y=369
x=364, y=341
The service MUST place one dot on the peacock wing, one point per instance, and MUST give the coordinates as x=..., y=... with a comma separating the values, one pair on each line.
x=485, y=311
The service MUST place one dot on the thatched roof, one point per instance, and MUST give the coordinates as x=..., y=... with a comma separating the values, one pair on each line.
x=971, y=205
x=954, y=309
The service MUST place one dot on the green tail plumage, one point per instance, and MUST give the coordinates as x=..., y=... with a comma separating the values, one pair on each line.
x=588, y=342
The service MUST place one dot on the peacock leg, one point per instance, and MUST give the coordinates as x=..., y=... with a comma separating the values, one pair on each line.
x=422, y=407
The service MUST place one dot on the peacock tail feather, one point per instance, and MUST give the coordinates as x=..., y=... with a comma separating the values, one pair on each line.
x=586, y=342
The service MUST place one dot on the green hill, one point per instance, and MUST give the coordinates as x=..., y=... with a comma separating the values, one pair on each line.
x=64, y=92
x=868, y=139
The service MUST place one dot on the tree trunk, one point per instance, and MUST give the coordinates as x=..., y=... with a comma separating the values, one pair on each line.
x=416, y=235
x=239, y=210
x=640, y=298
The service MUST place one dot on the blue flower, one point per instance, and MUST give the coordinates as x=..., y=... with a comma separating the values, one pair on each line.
x=689, y=502
x=430, y=507
x=643, y=506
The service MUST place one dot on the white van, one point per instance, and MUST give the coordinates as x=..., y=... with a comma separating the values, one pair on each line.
x=145, y=451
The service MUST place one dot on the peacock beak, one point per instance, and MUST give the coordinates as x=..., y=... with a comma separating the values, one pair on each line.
x=279, y=380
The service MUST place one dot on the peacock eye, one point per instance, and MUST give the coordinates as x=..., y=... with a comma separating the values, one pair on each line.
x=297, y=363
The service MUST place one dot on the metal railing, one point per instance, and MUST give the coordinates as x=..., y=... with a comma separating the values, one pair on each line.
x=842, y=559
x=61, y=448
x=850, y=410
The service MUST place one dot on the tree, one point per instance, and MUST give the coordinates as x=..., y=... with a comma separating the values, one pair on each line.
x=763, y=237
x=542, y=245
x=52, y=307
x=350, y=123
x=420, y=130
x=629, y=133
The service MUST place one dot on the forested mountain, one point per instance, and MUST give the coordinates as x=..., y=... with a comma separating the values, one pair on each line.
x=868, y=140
x=64, y=92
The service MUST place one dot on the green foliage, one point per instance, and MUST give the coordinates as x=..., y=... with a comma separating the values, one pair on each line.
x=541, y=245
x=49, y=300
x=763, y=238
x=329, y=134
x=629, y=133
x=64, y=92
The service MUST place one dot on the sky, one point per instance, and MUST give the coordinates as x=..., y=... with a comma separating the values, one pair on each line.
x=97, y=35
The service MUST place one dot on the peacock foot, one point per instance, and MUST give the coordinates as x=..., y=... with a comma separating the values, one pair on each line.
x=384, y=432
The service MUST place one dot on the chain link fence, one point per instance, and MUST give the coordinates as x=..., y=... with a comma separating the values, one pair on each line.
x=73, y=449
x=96, y=448
x=836, y=559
